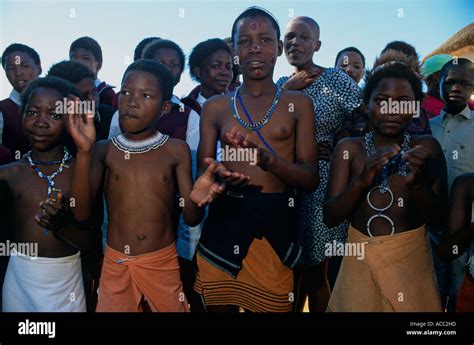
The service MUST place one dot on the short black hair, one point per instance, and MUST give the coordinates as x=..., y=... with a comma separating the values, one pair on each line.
x=254, y=12
x=63, y=86
x=353, y=50
x=137, y=54
x=89, y=44
x=394, y=64
x=202, y=51
x=150, y=50
x=18, y=47
x=162, y=75
x=458, y=62
x=71, y=71
x=402, y=46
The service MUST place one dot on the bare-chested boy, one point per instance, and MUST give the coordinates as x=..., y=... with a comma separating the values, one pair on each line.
x=391, y=186
x=47, y=277
x=140, y=172
x=247, y=248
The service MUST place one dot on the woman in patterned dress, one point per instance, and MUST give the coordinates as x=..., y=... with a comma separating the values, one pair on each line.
x=335, y=96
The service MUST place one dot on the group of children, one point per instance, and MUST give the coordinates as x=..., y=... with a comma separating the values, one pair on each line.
x=190, y=229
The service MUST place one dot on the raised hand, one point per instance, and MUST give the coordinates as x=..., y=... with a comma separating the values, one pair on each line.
x=52, y=213
x=81, y=127
x=264, y=157
x=375, y=162
x=206, y=188
x=416, y=158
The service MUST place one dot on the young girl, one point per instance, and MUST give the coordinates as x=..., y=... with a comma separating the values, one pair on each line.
x=210, y=64
x=51, y=279
x=390, y=186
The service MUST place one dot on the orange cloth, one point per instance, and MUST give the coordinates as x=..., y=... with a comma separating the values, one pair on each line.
x=263, y=284
x=127, y=280
x=395, y=274
x=465, y=298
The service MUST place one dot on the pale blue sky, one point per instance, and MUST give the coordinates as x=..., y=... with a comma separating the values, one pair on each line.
x=50, y=26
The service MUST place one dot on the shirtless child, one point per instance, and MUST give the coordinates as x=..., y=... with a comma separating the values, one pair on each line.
x=49, y=280
x=247, y=248
x=390, y=185
x=140, y=172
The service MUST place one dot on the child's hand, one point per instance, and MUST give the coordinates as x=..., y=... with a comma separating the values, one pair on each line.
x=228, y=177
x=264, y=158
x=52, y=213
x=301, y=79
x=206, y=188
x=416, y=159
x=81, y=127
x=375, y=162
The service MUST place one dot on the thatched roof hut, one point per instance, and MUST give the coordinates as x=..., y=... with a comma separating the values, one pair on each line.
x=461, y=44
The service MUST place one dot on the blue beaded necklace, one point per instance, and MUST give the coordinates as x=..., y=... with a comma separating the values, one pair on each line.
x=49, y=178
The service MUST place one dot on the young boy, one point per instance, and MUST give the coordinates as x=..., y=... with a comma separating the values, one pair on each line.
x=182, y=122
x=453, y=129
x=140, y=172
x=21, y=64
x=432, y=103
x=247, y=249
x=83, y=78
x=48, y=277
x=390, y=185
x=88, y=51
x=461, y=237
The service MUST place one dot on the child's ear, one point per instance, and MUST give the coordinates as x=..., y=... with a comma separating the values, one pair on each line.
x=166, y=108
x=318, y=46
x=99, y=66
x=40, y=70
x=197, y=72
x=280, y=47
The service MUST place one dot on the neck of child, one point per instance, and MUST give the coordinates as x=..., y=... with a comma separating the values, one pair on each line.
x=142, y=135
x=307, y=67
x=381, y=140
x=454, y=109
x=54, y=154
x=257, y=88
x=207, y=92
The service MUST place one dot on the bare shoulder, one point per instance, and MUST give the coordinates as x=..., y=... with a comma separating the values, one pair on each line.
x=101, y=147
x=465, y=184
x=12, y=170
x=353, y=146
x=296, y=96
x=178, y=148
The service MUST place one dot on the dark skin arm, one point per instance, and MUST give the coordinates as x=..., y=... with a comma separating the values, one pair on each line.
x=426, y=178
x=89, y=165
x=461, y=230
x=204, y=191
x=343, y=196
x=209, y=134
x=302, y=175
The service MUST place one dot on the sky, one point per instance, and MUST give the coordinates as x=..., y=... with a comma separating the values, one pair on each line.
x=118, y=25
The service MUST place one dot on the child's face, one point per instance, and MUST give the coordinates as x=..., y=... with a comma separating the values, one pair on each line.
x=300, y=42
x=386, y=119
x=257, y=46
x=42, y=124
x=456, y=88
x=20, y=69
x=86, y=57
x=216, y=73
x=351, y=62
x=88, y=90
x=140, y=102
x=170, y=58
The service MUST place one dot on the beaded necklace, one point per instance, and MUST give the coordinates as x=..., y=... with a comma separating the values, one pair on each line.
x=384, y=185
x=141, y=146
x=263, y=121
x=49, y=178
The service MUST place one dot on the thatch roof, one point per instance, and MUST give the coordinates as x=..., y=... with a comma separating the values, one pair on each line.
x=460, y=44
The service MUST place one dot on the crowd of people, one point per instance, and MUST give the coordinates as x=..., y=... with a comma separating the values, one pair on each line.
x=247, y=194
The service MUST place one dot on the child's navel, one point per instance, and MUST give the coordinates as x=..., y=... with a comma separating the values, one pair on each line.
x=141, y=237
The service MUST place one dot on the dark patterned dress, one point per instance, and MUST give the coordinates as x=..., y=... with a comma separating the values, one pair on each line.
x=335, y=95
